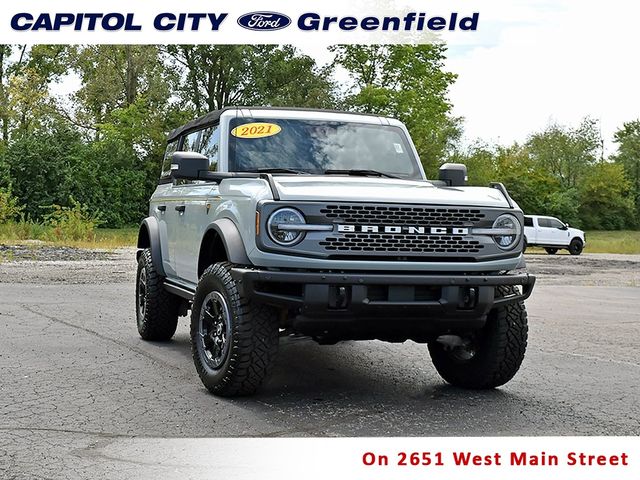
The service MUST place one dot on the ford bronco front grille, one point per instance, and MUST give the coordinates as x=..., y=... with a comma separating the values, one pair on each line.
x=390, y=232
x=401, y=215
x=400, y=243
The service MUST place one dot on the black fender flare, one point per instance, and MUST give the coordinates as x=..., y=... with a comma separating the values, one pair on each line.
x=149, y=237
x=230, y=236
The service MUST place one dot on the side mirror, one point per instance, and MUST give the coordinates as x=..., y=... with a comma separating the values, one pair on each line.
x=565, y=227
x=453, y=174
x=188, y=165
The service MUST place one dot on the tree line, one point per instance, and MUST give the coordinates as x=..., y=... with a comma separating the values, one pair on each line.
x=101, y=146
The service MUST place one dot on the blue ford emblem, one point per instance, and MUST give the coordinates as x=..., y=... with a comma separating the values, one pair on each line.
x=264, y=21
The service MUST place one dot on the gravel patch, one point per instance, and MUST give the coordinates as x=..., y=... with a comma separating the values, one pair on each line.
x=588, y=269
x=63, y=265
x=48, y=252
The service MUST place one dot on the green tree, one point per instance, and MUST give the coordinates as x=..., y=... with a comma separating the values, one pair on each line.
x=604, y=200
x=39, y=164
x=105, y=176
x=628, y=140
x=26, y=74
x=480, y=159
x=565, y=152
x=60, y=168
x=8, y=66
x=533, y=187
x=117, y=76
x=215, y=76
x=290, y=79
x=125, y=98
x=407, y=82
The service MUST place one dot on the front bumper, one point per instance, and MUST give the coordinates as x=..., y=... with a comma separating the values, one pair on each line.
x=442, y=300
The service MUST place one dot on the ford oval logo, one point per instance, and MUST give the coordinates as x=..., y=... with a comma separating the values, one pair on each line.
x=264, y=21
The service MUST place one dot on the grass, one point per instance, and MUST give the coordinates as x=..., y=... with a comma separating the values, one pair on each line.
x=624, y=241
x=598, y=241
x=102, y=238
x=110, y=238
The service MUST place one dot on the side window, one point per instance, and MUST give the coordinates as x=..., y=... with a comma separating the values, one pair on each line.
x=210, y=146
x=544, y=222
x=166, y=162
x=555, y=223
x=528, y=222
x=191, y=142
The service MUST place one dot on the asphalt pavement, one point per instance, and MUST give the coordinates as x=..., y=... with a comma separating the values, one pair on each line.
x=76, y=376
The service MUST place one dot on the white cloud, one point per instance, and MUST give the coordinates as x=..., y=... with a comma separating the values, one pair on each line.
x=568, y=61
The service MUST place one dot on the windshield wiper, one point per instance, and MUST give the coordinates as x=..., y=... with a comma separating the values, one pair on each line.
x=360, y=173
x=277, y=170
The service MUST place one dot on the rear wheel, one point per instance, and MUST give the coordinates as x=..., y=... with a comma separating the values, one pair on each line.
x=551, y=251
x=157, y=310
x=576, y=246
x=233, y=341
x=490, y=357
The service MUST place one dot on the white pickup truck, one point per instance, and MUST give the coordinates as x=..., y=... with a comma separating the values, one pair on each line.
x=553, y=235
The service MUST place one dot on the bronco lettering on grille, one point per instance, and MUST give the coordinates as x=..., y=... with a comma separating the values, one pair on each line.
x=415, y=230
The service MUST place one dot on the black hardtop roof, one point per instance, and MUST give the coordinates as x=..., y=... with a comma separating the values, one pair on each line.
x=213, y=117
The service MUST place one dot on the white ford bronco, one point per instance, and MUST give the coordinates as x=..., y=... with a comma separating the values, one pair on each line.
x=269, y=222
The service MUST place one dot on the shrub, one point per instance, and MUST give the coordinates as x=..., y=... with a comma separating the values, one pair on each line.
x=22, y=230
x=9, y=207
x=74, y=223
x=39, y=165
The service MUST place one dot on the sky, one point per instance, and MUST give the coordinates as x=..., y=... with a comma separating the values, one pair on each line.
x=532, y=63
x=555, y=61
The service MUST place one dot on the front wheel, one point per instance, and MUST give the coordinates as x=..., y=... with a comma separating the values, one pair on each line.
x=157, y=310
x=490, y=357
x=576, y=246
x=233, y=340
x=551, y=251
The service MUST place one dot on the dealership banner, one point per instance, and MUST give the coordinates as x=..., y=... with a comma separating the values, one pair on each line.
x=495, y=458
x=256, y=22
x=246, y=22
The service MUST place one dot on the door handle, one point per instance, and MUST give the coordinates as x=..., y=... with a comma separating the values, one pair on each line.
x=162, y=208
x=180, y=208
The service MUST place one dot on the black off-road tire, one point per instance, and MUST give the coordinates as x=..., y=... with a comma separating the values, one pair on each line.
x=576, y=246
x=253, y=337
x=551, y=251
x=157, y=318
x=499, y=349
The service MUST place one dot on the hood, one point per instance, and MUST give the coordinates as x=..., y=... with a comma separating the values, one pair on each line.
x=384, y=190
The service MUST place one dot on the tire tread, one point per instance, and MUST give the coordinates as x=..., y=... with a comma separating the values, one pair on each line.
x=502, y=354
x=161, y=315
x=255, y=339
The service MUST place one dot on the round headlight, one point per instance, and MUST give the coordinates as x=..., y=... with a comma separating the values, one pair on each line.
x=508, y=231
x=279, y=223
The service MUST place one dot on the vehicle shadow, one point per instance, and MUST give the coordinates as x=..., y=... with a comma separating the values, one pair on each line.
x=375, y=388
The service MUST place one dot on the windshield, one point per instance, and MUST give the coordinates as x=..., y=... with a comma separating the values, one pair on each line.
x=317, y=146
